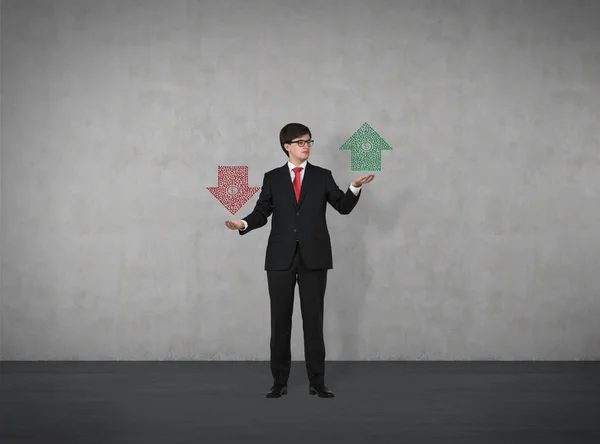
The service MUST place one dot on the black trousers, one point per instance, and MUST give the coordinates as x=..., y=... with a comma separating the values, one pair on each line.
x=311, y=284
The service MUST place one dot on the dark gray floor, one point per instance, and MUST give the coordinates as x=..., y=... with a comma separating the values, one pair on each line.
x=224, y=402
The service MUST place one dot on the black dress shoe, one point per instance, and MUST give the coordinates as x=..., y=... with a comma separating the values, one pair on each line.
x=277, y=390
x=321, y=390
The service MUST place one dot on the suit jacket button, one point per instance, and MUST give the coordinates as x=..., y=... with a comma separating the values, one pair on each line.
x=297, y=214
x=294, y=230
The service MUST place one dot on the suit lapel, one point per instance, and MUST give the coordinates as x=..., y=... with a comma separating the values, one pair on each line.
x=306, y=182
x=287, y=185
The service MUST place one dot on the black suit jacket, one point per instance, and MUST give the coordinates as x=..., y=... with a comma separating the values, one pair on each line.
x=303, y=221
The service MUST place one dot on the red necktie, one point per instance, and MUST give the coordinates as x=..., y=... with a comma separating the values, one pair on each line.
x=297, y=182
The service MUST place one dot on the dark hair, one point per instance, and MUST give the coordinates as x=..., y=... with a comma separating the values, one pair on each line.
x=290, y=132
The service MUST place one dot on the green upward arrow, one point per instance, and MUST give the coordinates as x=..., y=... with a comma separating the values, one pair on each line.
x=366, y=146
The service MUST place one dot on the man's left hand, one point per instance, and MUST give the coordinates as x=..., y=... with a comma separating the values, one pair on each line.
x=362, y=179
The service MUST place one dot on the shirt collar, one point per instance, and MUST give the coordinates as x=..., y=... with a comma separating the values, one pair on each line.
x=292, y=166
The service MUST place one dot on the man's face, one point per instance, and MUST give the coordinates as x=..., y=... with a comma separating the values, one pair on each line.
x=299, y=148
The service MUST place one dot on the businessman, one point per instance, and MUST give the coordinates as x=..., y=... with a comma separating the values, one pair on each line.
x=298, y=251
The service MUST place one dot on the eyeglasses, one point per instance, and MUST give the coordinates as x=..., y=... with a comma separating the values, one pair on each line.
x=301, y=142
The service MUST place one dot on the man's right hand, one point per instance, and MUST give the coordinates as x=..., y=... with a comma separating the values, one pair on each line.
x=234, y=224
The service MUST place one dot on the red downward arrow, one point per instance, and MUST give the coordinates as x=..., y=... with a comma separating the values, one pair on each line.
x=233, y=190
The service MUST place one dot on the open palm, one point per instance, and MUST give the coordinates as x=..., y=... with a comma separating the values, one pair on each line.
x=234, y=224
x=360, y=180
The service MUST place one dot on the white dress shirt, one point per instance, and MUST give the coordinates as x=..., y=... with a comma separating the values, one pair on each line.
x=291, y=166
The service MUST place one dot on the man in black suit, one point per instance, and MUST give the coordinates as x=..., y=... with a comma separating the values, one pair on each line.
x=298, y=251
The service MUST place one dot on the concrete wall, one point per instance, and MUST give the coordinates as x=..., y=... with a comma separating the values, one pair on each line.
x=478, y=239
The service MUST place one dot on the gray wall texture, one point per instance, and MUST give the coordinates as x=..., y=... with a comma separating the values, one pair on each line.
x=479, y=238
